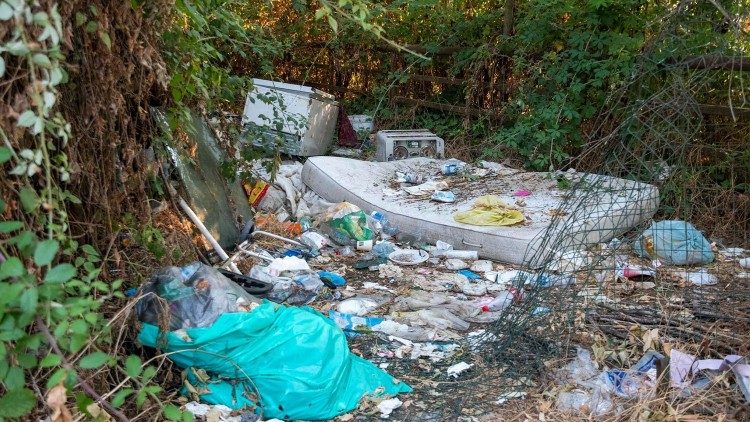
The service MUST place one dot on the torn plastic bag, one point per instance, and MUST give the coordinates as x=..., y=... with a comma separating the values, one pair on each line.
x=196, y=295
x=354, y=225
x=674, y=242
x=297, y=359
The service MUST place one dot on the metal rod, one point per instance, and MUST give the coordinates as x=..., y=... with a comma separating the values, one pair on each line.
x=275, y=236
x=206, y=234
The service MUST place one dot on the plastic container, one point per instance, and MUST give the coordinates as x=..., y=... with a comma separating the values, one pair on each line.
x=470, y=255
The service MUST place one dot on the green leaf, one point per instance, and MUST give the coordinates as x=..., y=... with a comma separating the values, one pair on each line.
x=120, y=396
x=29, y=299
x=80, y=19
x=93, y=360
x=14, y=379
x=140, y=398
x=17, y=403
x=41, y=60
x=6, y=12
x=29, y=199
x=5, y=152
x=12, y=267
x=333, y=24
x=9, y=226
x=50, y=360
x=45, y=252
x=56, y=377
x=133, y=366
x=27, y=119
x=172, y=412
x=106, y=40
x=89, y=250
x=60, y=273
x=91, y=26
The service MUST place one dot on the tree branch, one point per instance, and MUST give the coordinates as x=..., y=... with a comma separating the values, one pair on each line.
x=86, y=387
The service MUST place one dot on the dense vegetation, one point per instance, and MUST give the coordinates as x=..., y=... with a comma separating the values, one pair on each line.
x=79, y=78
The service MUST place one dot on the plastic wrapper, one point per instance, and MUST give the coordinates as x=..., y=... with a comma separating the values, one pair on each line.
x=293, y=363
x=675, y=243
x=191, y=296
x=354, y=225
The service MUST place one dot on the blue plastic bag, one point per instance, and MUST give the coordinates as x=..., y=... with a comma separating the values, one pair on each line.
x=298, y=360
x=674, y=242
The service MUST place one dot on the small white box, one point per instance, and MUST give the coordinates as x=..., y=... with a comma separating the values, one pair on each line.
x=308, y=115
x=400, y=144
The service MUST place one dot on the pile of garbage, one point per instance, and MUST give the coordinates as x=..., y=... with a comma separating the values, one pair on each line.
x=273, y=341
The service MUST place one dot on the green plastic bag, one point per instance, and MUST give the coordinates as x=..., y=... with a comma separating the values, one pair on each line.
x=354, y=225
x=298, y=360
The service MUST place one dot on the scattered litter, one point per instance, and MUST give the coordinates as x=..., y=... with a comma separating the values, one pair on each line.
x=375, y=286
x=439, y=283
x=674, y=242
x=683, y=365
x=409, y=256
x=745, y=262
x=570, y=261
x=217, y=412
x=510, y=395
x=313, y=240
x=471, y=275
x=472, y=289
x=470, y=255
x=357, y=306
x=490, y=211
x=477, y=339
x=481, y=266
x=730, y=253
x=333, y=278
x=426, y=188
x=452, y=166
x=700, y=277
x=445, y=196
x=636, y=273
x=386, y=407
x=383, y=249
x=459, y=368
x=456, y=264
x=522, y=193
x=287, y=263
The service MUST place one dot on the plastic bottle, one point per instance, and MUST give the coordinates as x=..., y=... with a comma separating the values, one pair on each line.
x=504, y=300
x=386, y=226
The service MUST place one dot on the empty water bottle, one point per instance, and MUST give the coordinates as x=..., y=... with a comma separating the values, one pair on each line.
x=386, y=227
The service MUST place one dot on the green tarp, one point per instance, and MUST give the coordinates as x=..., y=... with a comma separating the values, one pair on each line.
x=298, y=359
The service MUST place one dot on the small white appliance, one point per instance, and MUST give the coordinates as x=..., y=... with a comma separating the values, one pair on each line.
x=302, y=117
x=400, y=144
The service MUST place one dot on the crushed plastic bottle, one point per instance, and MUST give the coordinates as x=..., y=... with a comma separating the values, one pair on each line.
x=385, y=225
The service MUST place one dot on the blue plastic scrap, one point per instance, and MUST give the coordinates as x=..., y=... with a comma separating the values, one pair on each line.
x=334, y=278
x=293, y=362
x=471, y=275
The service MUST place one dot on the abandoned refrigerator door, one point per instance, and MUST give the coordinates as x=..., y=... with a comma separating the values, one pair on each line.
x=308, y=116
